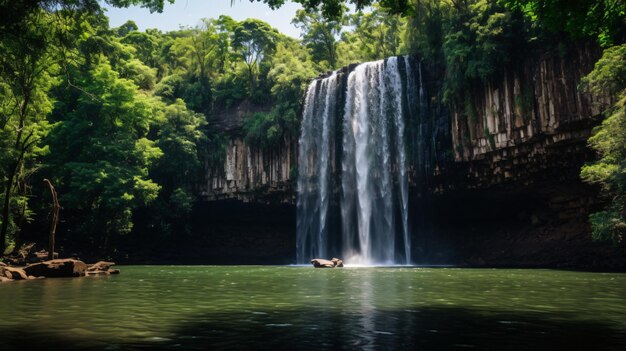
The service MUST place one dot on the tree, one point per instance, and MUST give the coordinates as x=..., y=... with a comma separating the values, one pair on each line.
x=56, y=207
x=603, y=20
x=225, y=26
x=292, y=70
x=126, y=28
x=180, y=137
x=481, y=39
x=334, y=9
x=253, y=40
x=179, y=132
x=377, y=32
x=199, y=47
x=425, y=28
x=609, y=139
x=198, y=50
x=319, y=35
x=101, y=154
x=146, y=45
x=25, y=78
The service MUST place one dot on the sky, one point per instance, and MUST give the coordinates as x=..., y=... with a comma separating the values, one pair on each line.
x=188, y=13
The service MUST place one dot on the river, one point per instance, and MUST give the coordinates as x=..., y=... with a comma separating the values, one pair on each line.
x=291, y=307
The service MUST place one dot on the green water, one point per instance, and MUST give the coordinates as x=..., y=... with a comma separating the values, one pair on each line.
x=264, y=307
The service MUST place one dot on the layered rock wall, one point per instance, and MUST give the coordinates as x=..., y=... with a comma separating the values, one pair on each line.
x=511, y=129
x=253, y=174
x=532, y=119
x=249, y=173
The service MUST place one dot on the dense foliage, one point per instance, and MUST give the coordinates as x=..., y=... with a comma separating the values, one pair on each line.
x=609, y=140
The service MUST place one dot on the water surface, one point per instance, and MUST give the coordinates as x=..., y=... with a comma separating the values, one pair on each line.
x=246, y=307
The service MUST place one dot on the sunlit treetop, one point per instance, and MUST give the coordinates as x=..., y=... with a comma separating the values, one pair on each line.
x=604, y=20
x=333, y=9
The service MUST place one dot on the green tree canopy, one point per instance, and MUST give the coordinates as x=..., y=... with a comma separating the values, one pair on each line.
x=100, y=153
x=253, y=40
x=608, y=79
x=27, y=68
x=604, y=20
x=319, y=35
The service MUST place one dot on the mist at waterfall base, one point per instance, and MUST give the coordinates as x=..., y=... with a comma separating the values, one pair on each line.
x=352, y=168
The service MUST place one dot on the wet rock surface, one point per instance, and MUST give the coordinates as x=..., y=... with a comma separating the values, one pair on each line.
x=324, y=263
x=59, y=268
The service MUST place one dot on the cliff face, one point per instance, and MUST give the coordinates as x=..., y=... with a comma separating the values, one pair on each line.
x=250, y=173
x=541, y=100
x=531, y=120
x=508, y=191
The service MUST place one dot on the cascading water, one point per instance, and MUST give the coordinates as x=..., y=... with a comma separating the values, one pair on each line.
x=313, y=164
x=371, y=191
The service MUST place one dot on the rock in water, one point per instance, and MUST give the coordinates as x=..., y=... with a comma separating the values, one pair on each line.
x=324, y=263
x=4, y=273
x=13, y=273
x=337, y=262
x=57, y=268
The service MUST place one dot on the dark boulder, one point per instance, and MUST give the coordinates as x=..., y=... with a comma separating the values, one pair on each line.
x=60, y=268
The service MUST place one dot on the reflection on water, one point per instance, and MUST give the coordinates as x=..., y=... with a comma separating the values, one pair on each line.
x=164, y=307
x=367, y=310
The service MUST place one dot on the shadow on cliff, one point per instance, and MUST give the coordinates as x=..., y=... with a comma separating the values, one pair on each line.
x=430, y=328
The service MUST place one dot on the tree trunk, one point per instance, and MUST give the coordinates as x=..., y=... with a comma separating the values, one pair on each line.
x=13, y=174
x=5, y=209
x=17, y=237
x=5, y=215
x=13, y=177
x=54, y=220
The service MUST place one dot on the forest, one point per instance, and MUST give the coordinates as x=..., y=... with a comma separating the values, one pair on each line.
x=118, y=119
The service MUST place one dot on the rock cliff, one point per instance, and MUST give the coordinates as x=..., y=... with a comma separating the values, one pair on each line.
x=533, y=119
x=503, y=186
x=250, y=173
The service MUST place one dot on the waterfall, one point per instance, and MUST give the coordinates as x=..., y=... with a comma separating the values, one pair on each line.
x=358, y=120
x=313, y=162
